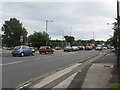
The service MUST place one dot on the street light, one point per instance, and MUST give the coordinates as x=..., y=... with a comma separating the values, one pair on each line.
x=62, y=34
x=70, y=30
x=47, y=28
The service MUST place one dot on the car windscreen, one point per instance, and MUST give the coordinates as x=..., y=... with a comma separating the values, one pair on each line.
x=43, y=47
x=17, y=47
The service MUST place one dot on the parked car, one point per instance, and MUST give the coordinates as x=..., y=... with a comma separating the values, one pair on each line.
x=110, y=47
x=23, y=50
x=98, y=48
x=57, y=48
x=45, y=49
x=81, y=47
x=75, y=48
x=88, y=47
x=68, y=49
x=105, y=48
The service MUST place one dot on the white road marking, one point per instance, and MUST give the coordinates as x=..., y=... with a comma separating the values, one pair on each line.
x=54, y=76
x=66, y=82
x=11, y=63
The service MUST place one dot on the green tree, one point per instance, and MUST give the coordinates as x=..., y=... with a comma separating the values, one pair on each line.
x=38, y=39
x=69, y=39
x=13, y=29
x=116, y=30
x=57, y=43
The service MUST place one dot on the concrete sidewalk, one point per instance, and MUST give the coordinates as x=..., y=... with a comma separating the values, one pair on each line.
x=97, y=75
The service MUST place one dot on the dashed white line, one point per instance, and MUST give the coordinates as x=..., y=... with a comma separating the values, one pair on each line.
x=11, y=63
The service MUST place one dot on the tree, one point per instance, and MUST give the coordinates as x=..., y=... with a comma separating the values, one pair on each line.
x=69, y=39
x=38, y=39
x=13, y=29
x=57, y=43
x=115, y=36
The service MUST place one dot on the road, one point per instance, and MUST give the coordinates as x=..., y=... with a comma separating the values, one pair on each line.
x=17, y=70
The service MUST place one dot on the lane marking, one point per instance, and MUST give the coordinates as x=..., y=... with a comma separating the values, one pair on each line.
x=11, y=63
x=66, y=82
x=54, y=76
x=46, y=74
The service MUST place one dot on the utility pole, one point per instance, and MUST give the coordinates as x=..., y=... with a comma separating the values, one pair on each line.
x=62, y=35
x=47, y=29
x=70, y=30
x=118, y=36
x=94, y=38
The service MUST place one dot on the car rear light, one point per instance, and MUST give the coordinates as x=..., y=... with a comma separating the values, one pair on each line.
x=45, y=49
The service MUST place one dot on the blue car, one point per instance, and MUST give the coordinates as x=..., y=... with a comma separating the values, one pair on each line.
x=23, y=50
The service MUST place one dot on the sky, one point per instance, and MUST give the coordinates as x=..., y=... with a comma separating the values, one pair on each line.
x=83, y=19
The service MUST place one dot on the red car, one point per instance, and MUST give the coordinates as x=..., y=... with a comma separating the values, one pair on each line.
x=45, y=49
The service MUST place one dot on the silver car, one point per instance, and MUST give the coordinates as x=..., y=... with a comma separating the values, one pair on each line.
x=75, y=48
x=68, y=49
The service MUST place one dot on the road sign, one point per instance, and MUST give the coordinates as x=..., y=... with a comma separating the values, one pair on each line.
x=21, y=39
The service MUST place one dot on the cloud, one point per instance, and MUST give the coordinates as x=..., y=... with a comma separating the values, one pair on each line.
x=84, y=17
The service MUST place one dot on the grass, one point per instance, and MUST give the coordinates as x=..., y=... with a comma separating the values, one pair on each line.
x=10, y=49
x=35, y=49
x=114, y=86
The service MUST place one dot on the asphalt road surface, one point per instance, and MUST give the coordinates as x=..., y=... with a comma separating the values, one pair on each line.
x=17, y=70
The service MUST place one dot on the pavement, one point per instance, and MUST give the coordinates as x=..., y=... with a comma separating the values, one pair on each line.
x=95, y=73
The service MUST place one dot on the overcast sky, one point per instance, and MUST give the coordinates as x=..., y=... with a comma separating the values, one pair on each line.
x=83, y=20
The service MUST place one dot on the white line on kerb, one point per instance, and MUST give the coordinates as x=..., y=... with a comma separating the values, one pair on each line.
x=55, y=76
x=11, y=63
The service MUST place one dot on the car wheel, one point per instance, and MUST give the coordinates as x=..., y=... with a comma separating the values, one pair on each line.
x=22, y=54
x=14, y=55
x=33, y=53
x=46, y=52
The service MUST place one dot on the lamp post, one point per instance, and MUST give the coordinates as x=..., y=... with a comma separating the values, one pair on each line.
x=118, y=36
x=70, y=30
x=62, y=34
x=47, y=28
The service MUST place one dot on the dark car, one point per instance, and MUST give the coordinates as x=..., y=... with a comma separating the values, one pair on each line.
x=88, y=47
x=57, y=48
x=68, y=49
x=23, y=50
x=81, y=47
x=110, y=47
x=45, y=49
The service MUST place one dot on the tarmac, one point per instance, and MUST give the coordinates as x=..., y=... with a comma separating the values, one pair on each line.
x=100, y=73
